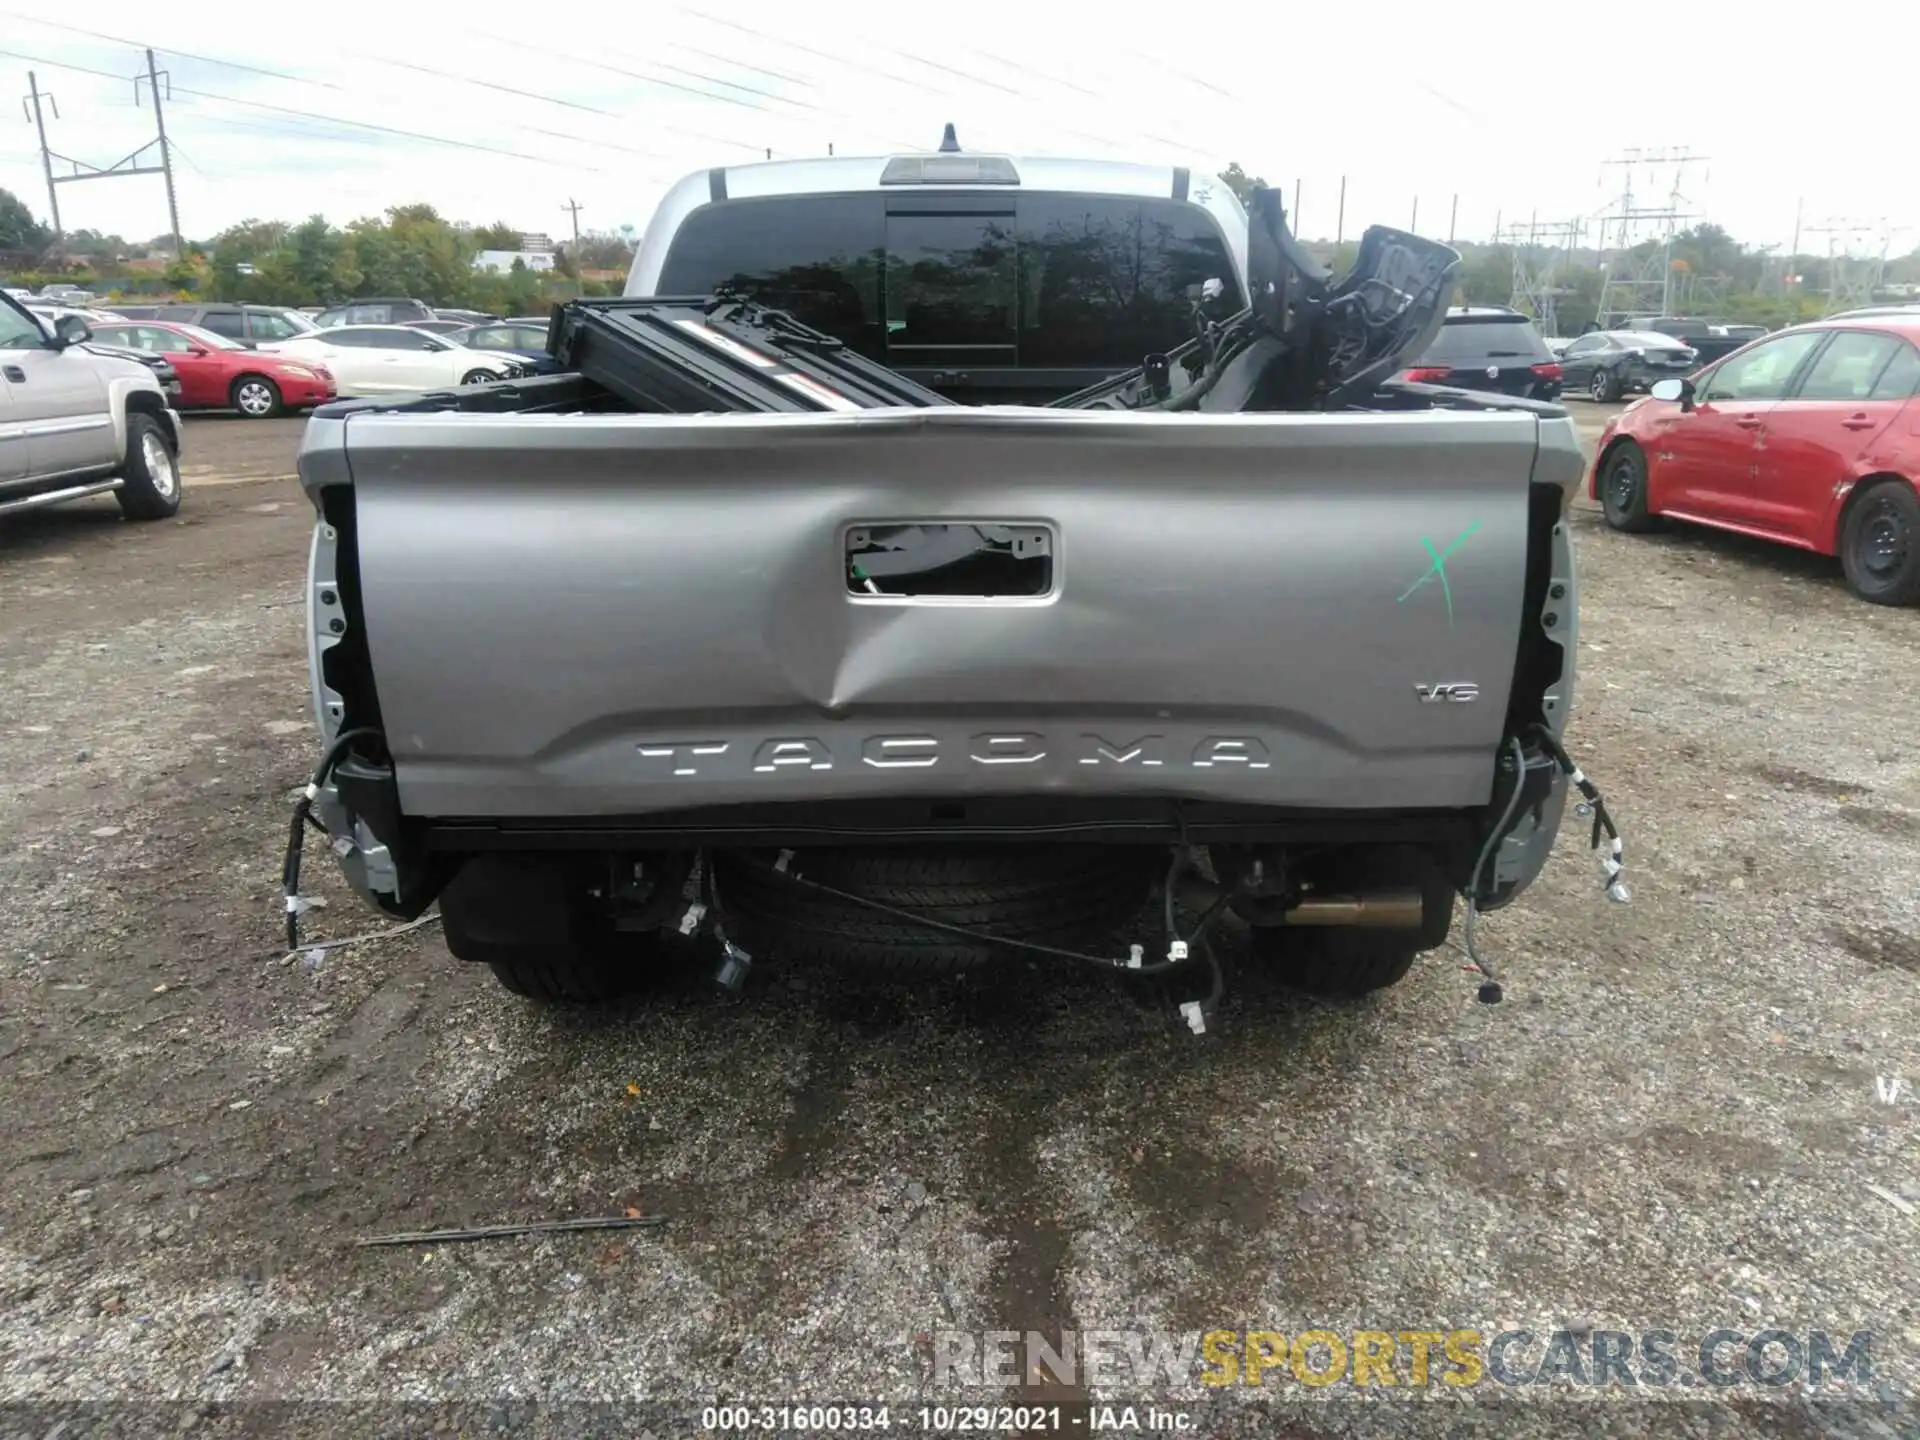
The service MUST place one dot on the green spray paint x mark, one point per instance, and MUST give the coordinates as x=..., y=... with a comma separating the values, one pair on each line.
x=1438, y=570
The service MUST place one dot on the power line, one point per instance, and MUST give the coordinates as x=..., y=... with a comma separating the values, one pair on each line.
x=743, y=65
x=183, y=54
x=313, y=115
x=860, y=69
x=630, y=74
x=401, y=64
x=492, y=85
x=648, y=79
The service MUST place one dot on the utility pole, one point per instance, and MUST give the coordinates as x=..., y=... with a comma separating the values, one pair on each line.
x=1340, y=222
x=1296, y=205
x=46, y=155
x=1453, y=219
x=166, y=155
x=574, y=208
x=1413, y=225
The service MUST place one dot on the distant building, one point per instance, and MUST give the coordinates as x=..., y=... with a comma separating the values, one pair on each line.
x=502, y=260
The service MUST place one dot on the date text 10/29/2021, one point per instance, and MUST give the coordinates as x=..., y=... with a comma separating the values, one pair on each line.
x=945, y=1419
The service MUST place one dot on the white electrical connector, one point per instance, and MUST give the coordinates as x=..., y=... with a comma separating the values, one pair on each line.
x=1134, y=955
x=1611, y=867
x=690, y=921
x=786, y=859
x=1177, y=950
x=1195, y=1016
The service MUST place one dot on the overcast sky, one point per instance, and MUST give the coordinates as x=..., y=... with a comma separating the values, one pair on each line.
x=1514, y=108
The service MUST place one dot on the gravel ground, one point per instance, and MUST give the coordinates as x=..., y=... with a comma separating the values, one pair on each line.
x=1678, y=1120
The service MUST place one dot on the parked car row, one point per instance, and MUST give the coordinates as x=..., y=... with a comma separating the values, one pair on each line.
x=1495, y=348
x=265, y=361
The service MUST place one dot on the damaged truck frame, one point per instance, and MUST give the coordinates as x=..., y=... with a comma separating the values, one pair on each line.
x=727, y=630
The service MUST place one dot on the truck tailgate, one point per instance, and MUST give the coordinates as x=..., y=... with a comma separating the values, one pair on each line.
x=595, y=616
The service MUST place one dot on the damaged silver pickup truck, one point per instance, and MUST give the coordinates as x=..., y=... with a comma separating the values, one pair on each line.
x=728, y=631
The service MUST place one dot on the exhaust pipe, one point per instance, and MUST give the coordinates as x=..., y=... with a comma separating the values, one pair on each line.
x=1373, y=910
x=1383, y=910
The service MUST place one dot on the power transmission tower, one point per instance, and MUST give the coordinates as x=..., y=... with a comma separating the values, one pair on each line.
x=1636, y=240
x=1541, y=253
x=46, y=155
x=130, y=164
x=1853, y=277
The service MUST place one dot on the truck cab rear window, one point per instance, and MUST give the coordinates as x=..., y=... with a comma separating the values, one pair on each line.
x=1046, y=280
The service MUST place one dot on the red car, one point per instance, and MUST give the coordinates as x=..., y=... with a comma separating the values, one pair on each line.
x=1809, y=437
x=218, y=374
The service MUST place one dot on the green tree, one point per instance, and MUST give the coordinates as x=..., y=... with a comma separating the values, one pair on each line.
x=1238, y=181
x=497, y=236
x=602, y=250
x=19, y=231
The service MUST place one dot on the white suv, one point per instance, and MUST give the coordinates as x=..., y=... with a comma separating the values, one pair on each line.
x=75, y=422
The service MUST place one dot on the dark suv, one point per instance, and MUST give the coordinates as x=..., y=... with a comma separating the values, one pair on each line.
x=1489, y=347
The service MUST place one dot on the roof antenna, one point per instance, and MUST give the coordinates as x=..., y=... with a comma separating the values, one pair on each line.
x=949, y=143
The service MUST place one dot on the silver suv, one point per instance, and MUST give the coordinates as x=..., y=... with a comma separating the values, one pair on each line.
x=75, y=422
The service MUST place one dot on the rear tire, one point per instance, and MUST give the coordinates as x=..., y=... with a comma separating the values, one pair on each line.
x=256, y=397
x=150, y=478
x=1623, y=489
x=529, y=920
x=1065, y=896
x=1343, y=962
x=1880, y=545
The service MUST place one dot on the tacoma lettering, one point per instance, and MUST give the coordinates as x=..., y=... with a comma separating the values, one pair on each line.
x=778, y=754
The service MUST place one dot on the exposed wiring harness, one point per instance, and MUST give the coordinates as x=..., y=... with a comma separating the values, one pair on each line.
x=1612, y=867
x=1180, y=949
x=303, y=816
